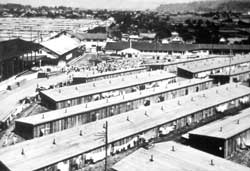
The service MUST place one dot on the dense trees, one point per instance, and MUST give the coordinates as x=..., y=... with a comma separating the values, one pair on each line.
x=203, y=31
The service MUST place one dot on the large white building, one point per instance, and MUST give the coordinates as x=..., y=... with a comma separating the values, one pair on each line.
x=61, y=48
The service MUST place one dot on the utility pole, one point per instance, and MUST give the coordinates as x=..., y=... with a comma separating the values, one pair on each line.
x=104, y=137
x=230, y=63
x=97, y=55
x=106, y=146
x=156, y=44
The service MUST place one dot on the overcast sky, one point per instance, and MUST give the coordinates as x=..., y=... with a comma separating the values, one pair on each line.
x=109, y=4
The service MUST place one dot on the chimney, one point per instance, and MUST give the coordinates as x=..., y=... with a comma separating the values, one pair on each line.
x=146, y=114
x=162, y=108
x=86, y=105
x=76, y=88
x=128, y=118
x=59, y=90
x=22, y=151
x=109, y=81
x=93, y=84
x=220, y=129
x=54, y=141
x=65, y=110
x=80, y=132
x=212, y=162
x=173, y=149
x=151, y=158
x=43, y=116
x=238, y=121
x=107, y=100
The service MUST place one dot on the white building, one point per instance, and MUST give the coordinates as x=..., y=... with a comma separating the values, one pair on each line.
x=175, y=38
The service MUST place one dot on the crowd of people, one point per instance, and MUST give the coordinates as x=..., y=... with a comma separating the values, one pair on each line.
x=114, y=65
x=110, y=65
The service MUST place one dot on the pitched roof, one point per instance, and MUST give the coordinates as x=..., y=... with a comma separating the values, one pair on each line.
x=229, y=126
x=146, y=46
x=41, y=152
x=90, y=36
x=182, y=159
x=183, y=61
x=75, y=110
x=89, y=74
x=214, y=63
x=61, y=45
x=106, y=85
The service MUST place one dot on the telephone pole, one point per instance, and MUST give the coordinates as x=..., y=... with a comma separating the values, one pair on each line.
x=104, y=137
x=106, y=146
x=230, y=63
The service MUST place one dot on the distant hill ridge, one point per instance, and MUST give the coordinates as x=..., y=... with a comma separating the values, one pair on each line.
x=207, y=6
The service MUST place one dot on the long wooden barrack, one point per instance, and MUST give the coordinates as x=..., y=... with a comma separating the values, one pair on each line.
x=228, y=135
x=169, y=155
x=58, y=120
x=89, y=76
x=82, y=93
x=125, y=130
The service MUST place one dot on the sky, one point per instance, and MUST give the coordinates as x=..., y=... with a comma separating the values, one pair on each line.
x=100, y=4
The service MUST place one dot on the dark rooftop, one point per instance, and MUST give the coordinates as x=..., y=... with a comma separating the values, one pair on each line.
x=16, y=47
x=146, y=46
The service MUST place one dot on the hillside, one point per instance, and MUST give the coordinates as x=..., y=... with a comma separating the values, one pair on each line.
x=207, y=6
